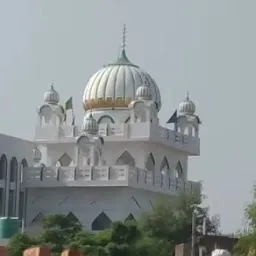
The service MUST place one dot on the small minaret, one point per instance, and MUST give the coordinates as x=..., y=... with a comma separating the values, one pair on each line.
x=187, y=122
x=143, y=109
x=90, y=143
x=51, y=113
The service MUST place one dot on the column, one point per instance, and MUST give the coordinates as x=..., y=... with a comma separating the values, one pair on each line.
x=7, y=187
x=18, y=186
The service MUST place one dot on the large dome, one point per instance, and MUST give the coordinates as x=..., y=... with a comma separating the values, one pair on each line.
x=115, y=85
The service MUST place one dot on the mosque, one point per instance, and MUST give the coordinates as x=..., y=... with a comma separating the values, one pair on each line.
x=115, y=167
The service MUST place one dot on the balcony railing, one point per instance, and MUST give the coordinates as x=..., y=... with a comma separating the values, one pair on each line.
x=115, y=175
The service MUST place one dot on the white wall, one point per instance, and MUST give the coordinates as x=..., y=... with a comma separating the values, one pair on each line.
x=12, y=148
x=88, y=203
x=140, y=152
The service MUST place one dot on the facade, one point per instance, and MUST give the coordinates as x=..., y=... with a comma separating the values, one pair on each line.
x=119, y=163
x=15, y=154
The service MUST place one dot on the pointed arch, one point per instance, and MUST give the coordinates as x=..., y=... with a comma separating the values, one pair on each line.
x=106, y=120
x=150, y=164
x=3, y=167
x=3, y=175
x=179, y=171
x=72, y=217
x=96, y=157
x=38, y=218
x=130, y=217
x=165, y=170
x=165, y=166
x=101, y=222
x=13, y=170
x=11, y=203
x=12, y=193
x=64, y=160
x=125, y=159
x=23, y=164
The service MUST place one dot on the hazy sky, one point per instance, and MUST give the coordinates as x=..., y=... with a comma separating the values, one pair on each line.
x=206, y=47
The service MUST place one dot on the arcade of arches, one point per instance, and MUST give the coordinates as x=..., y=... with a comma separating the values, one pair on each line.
x=10, y=192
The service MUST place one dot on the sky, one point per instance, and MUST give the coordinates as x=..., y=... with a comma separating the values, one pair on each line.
x=201, y=46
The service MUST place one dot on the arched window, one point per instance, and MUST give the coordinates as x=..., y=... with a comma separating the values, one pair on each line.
x=106, y=120
x=96, y=158
x=3, y=175
x=165, y=170
x=101, y=222
x=130, y=217
x=165, y=166
x=179, y=171
x=64, y=160
x=14, y=170
x=12, y=203
x=12, y=193
x=3, y=167
x=150, y=164
x=72, y=217
x=186, y=130
x=23, y=164
x=125, y=159
x=195, y=131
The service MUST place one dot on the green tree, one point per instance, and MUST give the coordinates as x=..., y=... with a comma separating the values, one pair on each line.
x=171, y=222
x=59, y=231
x=156, y=233
x=20, y=242
x=119, y=240
x=92, y=244
x=247, y=237
x=123, y=238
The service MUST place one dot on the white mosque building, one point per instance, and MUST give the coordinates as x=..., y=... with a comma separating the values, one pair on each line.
x=115, y=167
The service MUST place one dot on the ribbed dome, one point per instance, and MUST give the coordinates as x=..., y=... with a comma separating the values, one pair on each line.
x=187, y=107
x=90, y=125
x=144, y=92
x=116, y=84
x=51, y=96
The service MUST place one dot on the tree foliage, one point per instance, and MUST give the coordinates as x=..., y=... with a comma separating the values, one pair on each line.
x=247, y=239
x=156, y=233
x=171, y=222
x=20, y=242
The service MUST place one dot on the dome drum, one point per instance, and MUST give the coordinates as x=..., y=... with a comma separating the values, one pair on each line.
x=107, y=103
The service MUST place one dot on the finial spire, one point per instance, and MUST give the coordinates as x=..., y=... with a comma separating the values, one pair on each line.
x=145, y=80
x=122, y=59
x=124, y=38
x=187, y=95
x=52, y=85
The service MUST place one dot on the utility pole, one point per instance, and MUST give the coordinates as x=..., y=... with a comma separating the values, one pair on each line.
x=193, y=232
